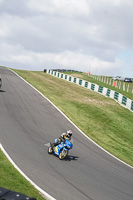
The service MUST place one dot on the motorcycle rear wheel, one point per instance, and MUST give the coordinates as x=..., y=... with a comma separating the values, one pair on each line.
x=63, y=154
x=50, y=151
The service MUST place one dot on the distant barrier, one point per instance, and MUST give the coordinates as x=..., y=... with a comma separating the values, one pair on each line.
x=126, y=102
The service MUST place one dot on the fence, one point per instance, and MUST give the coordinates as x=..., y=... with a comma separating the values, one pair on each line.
x=128, y=103
x=118, y=84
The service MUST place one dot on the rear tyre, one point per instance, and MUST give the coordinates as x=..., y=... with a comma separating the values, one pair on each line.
x=50, y=150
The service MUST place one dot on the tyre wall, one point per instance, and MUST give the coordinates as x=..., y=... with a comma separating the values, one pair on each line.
x=123, y=100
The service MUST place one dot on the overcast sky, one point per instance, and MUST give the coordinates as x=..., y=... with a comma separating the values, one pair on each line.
x=85, y=35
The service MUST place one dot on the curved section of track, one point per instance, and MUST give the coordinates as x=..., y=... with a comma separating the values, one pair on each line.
x=28, y=121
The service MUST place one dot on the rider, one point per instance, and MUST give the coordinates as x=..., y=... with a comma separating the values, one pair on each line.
x=62, y=138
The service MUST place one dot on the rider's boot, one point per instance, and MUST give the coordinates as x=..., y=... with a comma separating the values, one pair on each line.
x=52, y=146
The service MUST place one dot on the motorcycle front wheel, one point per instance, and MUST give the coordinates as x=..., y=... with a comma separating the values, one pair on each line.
x=63, y=154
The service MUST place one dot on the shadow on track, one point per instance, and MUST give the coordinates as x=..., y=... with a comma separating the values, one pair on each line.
x=70, y=158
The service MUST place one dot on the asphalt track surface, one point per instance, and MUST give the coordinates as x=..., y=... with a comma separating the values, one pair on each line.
x=28, y=121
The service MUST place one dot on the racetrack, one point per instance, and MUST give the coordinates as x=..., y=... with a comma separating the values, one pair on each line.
x=28, y=121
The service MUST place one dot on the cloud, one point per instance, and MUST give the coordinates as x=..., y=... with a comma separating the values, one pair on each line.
x=1, y=1
x=67, y=33
x=72, y=60
x=65, y=8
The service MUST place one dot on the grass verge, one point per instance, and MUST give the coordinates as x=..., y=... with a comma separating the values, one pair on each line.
x=101, y=118
x=11, y=179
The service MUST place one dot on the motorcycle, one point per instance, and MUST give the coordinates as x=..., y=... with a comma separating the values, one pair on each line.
x=62, y=149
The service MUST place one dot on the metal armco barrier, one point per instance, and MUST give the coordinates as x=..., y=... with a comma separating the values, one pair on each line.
x=128, y=103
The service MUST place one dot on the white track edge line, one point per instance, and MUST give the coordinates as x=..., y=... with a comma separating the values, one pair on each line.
x=46, y=195
x=73, y=123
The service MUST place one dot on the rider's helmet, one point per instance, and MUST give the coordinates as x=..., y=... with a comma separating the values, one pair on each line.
x=69, y=134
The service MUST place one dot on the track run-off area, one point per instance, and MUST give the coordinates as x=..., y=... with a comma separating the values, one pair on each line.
x=28, y=121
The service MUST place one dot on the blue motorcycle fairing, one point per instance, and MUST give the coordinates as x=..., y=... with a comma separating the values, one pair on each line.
x=65, y=146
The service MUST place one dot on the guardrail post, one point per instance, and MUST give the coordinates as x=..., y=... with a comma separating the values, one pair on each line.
x=100, y=89
x=92, y=86
x=74, y=80
x=116, y=95
x=86, y=84
x=65, y=77
x=80, y=82
x=124, y=100
x=108, y=92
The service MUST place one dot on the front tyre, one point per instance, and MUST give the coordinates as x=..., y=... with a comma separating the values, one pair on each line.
x=63, y=154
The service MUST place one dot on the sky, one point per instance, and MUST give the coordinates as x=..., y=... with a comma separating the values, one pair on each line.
x=93, y=36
